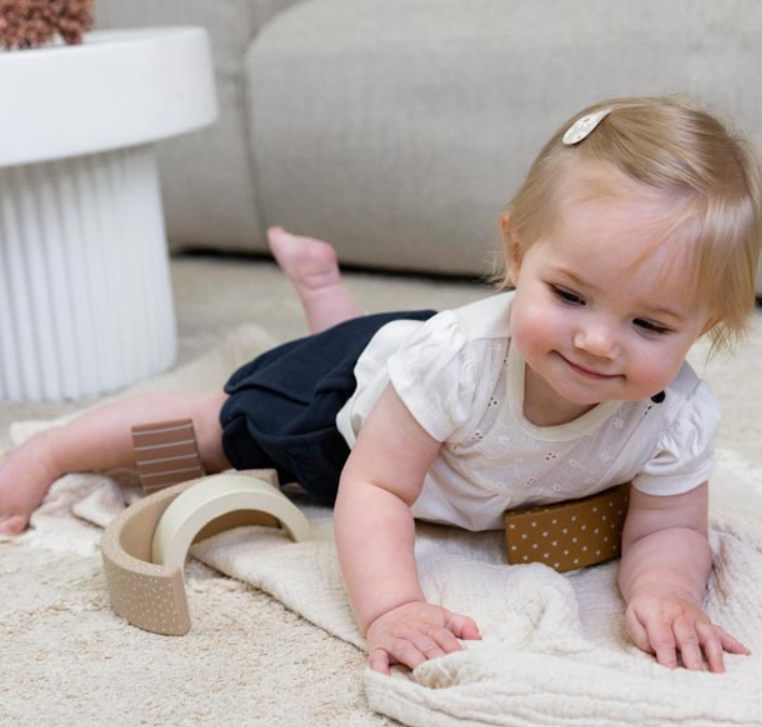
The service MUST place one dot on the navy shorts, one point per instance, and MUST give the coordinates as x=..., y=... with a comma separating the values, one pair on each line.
x=282, y=406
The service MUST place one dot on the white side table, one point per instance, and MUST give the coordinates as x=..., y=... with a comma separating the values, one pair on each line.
x=85, y=298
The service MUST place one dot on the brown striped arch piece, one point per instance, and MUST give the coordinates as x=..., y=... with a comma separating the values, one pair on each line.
x=166, y=453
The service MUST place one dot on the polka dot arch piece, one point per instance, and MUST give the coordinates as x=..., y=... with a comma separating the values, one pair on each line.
x=571, y=534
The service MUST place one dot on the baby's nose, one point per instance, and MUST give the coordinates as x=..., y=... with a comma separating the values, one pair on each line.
x=598, y=340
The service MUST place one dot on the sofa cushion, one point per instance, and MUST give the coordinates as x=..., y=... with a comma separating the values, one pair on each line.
x=399, y=129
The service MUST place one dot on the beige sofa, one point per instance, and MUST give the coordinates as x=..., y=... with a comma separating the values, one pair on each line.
x=399, y=128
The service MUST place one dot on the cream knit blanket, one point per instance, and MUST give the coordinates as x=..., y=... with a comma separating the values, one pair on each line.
x=554, y=649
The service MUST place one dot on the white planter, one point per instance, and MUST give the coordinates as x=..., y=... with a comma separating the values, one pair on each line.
x=85, y=296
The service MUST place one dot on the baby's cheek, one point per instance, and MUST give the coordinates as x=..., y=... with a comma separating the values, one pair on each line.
x=652, y=374
x=533, y=336
x=522, y=330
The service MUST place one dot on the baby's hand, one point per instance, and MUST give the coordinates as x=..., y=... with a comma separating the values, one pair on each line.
x=665, y=622
x=415, y=632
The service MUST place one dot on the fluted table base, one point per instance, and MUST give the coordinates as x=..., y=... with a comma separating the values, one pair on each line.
x=85, y=297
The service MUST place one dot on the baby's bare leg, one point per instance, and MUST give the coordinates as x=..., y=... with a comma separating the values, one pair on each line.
x=312, y=267
x=100, y=439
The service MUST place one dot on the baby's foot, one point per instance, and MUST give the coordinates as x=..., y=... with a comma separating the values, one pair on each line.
x=310, y=264
x=25, y=476
x=312, y=267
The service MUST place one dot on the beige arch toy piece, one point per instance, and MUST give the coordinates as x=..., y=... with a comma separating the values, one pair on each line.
x=149, y=591
x=213, y=497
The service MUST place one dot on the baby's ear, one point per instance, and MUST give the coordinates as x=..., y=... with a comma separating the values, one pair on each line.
x=512, y=248
x=504, y=219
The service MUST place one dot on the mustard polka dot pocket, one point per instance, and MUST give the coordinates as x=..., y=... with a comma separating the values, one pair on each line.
x=570, y=534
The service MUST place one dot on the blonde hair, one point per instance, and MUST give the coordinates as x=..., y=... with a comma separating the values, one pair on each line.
x=678, y=150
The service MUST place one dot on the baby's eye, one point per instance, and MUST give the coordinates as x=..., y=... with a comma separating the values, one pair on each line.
x=567, y=296
x=651, y=327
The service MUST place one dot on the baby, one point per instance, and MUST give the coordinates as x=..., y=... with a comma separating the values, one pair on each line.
x=636, y=232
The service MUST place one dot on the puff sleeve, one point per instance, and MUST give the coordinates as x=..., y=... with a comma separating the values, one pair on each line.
x=435, y=375
x=684, y=457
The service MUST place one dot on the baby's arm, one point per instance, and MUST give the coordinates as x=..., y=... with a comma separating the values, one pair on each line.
x=665, y=565
x=375, y=537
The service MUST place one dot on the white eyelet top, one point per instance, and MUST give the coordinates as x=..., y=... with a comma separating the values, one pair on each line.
x=463, y=382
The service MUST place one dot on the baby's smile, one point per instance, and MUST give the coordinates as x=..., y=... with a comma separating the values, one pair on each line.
x=586, y=371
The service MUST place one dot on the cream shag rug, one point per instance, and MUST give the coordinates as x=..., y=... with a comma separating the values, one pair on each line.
x=554, y=650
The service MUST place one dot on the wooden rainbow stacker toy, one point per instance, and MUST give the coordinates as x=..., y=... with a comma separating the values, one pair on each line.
x=144, y=549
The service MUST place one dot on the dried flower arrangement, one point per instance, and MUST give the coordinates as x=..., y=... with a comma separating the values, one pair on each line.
x=32, y=23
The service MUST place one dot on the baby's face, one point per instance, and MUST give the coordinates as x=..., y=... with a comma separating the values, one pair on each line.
x=602, y=311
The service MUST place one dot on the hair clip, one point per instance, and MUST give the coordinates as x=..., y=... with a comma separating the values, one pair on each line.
x=584, y=126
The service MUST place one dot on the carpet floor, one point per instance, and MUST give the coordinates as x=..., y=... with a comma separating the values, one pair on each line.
x=68, y=660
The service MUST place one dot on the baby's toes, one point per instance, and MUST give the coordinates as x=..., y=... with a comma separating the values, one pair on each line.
x=278, y=237
x=13, y=524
